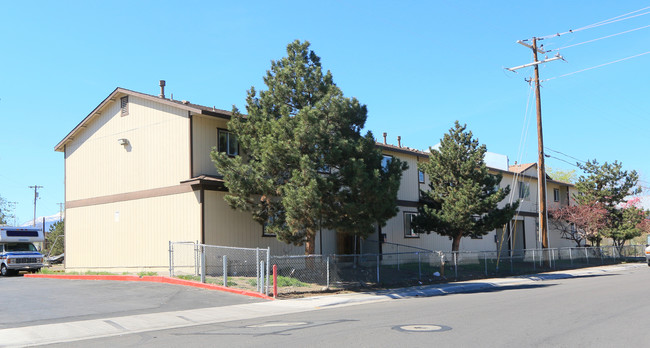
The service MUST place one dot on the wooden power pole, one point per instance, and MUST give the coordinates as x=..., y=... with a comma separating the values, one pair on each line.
x=541, y=170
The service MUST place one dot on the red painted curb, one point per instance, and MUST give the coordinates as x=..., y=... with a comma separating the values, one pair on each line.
x=153, y=279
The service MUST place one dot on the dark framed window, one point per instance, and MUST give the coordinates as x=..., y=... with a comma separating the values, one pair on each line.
x=385, y=160
x=556, y=195
x=409, y=232
x=420, y=177
x=266, y=233
x=227, y=142
x=124, y=105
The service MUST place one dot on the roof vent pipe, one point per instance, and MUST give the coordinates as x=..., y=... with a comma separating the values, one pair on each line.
x=399, y=141
x=385, y=134
x=162, y=89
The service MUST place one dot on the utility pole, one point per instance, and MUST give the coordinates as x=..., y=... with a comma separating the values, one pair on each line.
x=541, y=170
x=35, y=187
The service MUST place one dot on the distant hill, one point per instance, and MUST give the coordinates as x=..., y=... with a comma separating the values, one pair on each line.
x=49, y=221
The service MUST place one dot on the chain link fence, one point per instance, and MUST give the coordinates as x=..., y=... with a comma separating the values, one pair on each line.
x=242, y=268
x=250, y=269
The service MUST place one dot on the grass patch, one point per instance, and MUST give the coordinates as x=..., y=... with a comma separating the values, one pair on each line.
x=215, y=281
x=147, y=274
x=282, y=282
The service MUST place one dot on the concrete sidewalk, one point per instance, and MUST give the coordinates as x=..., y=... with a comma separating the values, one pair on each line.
x=80, y=330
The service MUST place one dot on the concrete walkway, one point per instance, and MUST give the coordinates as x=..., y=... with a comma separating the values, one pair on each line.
x=96, y=328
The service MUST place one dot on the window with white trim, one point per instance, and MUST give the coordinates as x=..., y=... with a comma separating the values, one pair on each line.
x=228, y=143
x=409, y=232
x=524, y=191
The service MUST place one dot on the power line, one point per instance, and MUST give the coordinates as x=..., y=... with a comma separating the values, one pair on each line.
x=562, y=153
x=559, y=159
x=601, y=23
x=597, y=66
x=600, y=38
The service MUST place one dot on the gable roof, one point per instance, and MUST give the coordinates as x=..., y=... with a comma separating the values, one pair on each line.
x=120, y=92
x=520, y=168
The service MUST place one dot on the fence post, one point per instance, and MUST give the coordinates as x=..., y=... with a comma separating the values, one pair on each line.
x=571, y=256
x=203, y=264
x=419, y=267
x=512, y=270
x=268, y=264
x=485, y=262
x=171, y=259
x=398, y=257
x=534, y=262
x=455, y=253
x=196, y=258
x=378, y=268
x=442, y=263
x=602, y=262
x=257, y=266
x=328, y=272
x=260, y=279
x=587, y=255
x=225, y=270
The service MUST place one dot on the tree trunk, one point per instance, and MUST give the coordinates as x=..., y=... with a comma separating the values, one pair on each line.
x=455, y=246
x=310, y=244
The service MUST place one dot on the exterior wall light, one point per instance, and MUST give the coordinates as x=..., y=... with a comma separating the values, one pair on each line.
x=123, y=141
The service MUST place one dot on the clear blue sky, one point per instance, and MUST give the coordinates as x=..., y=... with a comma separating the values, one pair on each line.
x=418, y=66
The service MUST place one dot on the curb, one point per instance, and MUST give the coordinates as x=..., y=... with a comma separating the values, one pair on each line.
x=151, y=279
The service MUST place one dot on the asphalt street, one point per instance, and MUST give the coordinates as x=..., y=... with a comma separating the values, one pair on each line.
x=35, y=301
x=599, y=307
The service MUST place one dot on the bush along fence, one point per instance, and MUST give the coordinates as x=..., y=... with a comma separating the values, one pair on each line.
x=256, y=269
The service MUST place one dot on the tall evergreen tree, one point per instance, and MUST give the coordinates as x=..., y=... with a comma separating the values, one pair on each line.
x=609, y=185
x=462, y=200
x=305, y=164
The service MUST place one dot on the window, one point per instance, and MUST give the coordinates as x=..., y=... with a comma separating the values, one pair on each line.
x=556, y=195
x=409, y=232
x=124, y=104
x=272, y=219
x=385, y=161
x=266, y=233
x=228, y=143
x=420, y=177
x=524, y=190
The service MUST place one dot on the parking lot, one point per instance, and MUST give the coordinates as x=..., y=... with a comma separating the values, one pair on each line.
x=34, y=301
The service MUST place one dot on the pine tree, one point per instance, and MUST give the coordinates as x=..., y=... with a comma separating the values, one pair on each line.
x=609, y=185
x=305, y=164
x=462, y=198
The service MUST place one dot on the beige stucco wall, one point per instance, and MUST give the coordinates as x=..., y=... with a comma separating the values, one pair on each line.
x=409, y=186
x=130, y=236
x=204, y=134
x=157, y=154
x=225, y=226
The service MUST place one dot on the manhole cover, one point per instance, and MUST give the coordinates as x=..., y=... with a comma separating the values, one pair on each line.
x=280, y=324
x=421, y=328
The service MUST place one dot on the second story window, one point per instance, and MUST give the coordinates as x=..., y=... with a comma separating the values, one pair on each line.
x=228, y=143
x=524, y=190
x=385, y=161
x=420, y=177
x=409, y=232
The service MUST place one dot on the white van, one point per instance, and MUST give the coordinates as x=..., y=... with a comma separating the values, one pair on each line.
x=17, y=250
